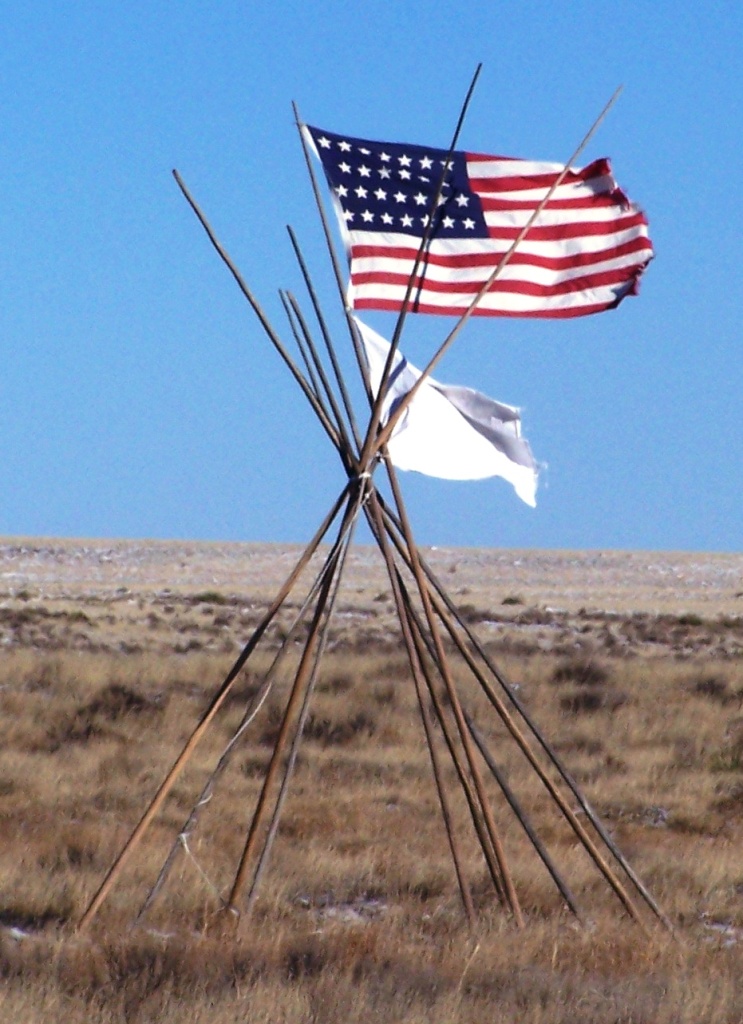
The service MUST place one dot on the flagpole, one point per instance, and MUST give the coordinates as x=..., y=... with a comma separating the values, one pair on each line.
x=331, y=251
x=426, y=239
x=369, y=447
x=376, y=402
x=386, y=431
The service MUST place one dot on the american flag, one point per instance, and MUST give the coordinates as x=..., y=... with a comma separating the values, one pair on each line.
x=585, y=252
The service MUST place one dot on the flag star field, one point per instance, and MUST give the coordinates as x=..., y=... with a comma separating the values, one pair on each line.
x=395, y=186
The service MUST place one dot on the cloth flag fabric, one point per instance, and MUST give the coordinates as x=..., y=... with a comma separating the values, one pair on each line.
x=447, y=431
x=584, y=254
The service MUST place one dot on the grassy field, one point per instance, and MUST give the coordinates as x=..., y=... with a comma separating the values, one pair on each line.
x=632, y=665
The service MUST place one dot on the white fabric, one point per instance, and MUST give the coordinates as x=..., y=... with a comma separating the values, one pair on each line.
x=450, y=432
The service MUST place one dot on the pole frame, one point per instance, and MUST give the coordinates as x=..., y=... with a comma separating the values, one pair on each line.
x=422, y=630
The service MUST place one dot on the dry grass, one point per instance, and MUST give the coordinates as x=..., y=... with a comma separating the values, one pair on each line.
x=359, y=915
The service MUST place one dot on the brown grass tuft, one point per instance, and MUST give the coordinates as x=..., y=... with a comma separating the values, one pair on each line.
x=581, y=671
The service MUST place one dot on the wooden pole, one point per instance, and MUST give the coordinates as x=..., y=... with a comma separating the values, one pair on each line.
x=252, y=710
x=435, y=607
x=332, y=253
x=516, y=733
x=370, y=446
x=464, y=735
x=376, y=402
x=523, y=818
x=309, y=344
x=548, y=749
x=273, y=337
x=508, y=793
x=428, y=231
x=217, y=701
x=316, y=657
x=300, y=344
x=417, y=668
x=326, y=338
x=295, y=698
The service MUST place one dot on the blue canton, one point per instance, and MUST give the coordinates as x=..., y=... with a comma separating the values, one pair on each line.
x=388, y=187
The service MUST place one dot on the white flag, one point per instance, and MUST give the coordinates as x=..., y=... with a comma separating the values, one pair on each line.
x=447, y=431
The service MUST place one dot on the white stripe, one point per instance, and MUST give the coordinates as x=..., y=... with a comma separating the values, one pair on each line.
x=556, y=218
x=504, y=167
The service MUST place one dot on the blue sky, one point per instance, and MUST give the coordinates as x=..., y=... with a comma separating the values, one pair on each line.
x=138, y=396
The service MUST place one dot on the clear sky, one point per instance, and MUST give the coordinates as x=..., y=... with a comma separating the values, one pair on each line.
x=138, y=396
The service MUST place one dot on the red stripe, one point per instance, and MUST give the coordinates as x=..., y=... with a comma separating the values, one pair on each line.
x=491, y=259
x=602, y=279
x=540, y=314
x=602, y=199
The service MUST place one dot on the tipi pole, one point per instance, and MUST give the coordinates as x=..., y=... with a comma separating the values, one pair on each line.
x=374, y=443
x=198, y=733
x=505, y=788
x=517, y=735
x=370, y=446
x=387, y=430
x=466, y=740
x=446, y=602
x=376, y=402
x=331, y=250
x=300, y=683
x=526, y=824
x=417, y=668
x=424, y=244
x=459, y=759
x=326, y=337
x=580, y=832
x=251, y=711
x=273, y=337
x=316, y=657
x=307, y=344
x=381, y=540
x=300, y=344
